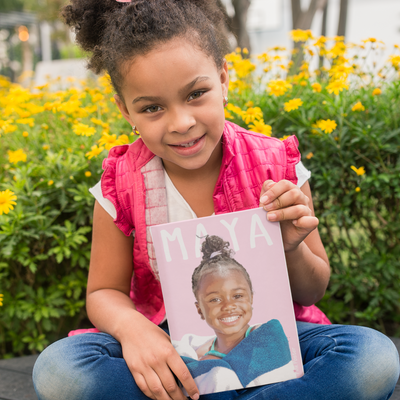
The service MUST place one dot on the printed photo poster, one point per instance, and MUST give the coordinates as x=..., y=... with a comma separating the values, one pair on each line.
x=231, y=317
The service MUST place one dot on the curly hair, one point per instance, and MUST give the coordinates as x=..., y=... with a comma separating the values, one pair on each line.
x=217, y=257
x=114, y=33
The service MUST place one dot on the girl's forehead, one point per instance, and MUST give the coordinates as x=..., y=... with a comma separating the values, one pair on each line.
x=170, y=64
x=220, y=276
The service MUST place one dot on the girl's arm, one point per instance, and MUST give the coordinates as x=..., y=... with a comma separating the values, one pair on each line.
x=307, y=262
x=147, y=349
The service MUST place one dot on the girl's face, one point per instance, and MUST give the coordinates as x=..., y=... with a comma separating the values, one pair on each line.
x=174, y=97
x=225, y=302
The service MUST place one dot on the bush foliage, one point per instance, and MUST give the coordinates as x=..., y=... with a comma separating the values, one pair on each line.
x=344, y=113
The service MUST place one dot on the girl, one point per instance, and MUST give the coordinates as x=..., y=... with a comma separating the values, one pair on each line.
x=165, y=60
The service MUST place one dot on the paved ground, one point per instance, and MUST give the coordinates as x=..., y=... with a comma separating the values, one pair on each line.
x=16, y=381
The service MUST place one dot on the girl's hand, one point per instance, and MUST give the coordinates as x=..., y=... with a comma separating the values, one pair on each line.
x=153, y=362
x=286, y=203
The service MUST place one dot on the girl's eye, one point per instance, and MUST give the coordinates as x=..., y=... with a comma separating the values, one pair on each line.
x=214, y=300
x=152, y=109
x=238, y=296
x=196, y=95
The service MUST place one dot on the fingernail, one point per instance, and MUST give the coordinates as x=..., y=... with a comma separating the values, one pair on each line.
x=269, y=207
x=264, y=199
x=195, y=396
x=271, y=216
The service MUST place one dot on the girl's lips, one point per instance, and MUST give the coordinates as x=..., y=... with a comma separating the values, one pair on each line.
x=189, y=148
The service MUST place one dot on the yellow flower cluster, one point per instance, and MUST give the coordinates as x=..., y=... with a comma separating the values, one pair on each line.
x=16, y=156
x=278, y=87
x=1, y=299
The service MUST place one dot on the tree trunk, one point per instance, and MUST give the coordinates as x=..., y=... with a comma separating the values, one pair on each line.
x=344, y=5
x=239, y=21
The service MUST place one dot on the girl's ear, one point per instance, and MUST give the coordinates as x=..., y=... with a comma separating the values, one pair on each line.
x=224, y=77
x=122, y=107
x=199, y=310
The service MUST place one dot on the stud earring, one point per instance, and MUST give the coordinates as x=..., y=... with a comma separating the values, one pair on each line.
x=225, y=100
x=134, y=130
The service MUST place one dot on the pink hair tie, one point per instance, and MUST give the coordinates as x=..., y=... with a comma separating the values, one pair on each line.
x=124, y=1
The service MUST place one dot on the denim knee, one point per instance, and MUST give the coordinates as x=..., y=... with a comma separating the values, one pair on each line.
x=379, y=368
x=54, y=376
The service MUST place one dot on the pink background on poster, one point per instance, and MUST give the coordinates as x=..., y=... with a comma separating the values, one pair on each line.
x=265, y=264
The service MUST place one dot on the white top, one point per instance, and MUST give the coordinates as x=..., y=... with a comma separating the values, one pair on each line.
x=178, y=208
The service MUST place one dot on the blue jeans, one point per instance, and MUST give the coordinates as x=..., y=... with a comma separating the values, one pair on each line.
x=340, y=362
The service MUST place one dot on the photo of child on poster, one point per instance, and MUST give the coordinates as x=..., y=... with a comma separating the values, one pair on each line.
x=240, y=355
x=228, y=301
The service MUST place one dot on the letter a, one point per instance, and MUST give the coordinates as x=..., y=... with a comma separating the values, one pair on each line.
x=176, y=234
x=256, y=221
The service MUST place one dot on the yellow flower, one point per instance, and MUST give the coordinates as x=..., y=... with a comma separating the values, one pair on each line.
x=7, y=127
x=359, y=171
x=357, y=189
x=371, y=39
x=328, y=126
x=316, y=87
x=245, y=50
x=1, y=299
x=337, y=86
x=395, y=60
x=235, y=109
x=299, y=35
x=83, y=130
x=249, y=104
x=123, y=139
x=88, y=174
x=16, y=156
x=252, y=114
x=309, y=155
x=303, y=83
x=7, y=202
x=278, y=87
x=25, y=134
x=45, y=147
x=26, y=121
x=293, y=104
x=358, y=107
x=227, y=114
x=261, y=127
x=94, y=152
x=50, y=182
x=340, y=71
x=376, y=92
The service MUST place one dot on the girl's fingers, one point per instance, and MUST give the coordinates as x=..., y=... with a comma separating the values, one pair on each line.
x=179, y=368
x=287, y=199
x=271, y=191
x=289, y=213
x=162, y=385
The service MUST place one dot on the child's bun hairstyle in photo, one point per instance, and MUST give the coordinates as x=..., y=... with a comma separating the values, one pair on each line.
x=217, y=257
x=116, y=32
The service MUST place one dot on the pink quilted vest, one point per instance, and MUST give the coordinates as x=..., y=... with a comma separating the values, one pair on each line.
x=133, y=180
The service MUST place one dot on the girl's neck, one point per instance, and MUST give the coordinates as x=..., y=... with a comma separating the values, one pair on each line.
x=224, y=344
x=197, y=186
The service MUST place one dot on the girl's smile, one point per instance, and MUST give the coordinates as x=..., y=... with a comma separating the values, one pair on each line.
x=174, y=96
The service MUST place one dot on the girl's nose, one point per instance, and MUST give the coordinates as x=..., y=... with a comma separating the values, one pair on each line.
x=229, y=305
x=181, y=120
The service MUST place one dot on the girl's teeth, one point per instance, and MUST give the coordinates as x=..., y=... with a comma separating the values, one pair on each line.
x=188, y=144
x=230, y=319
